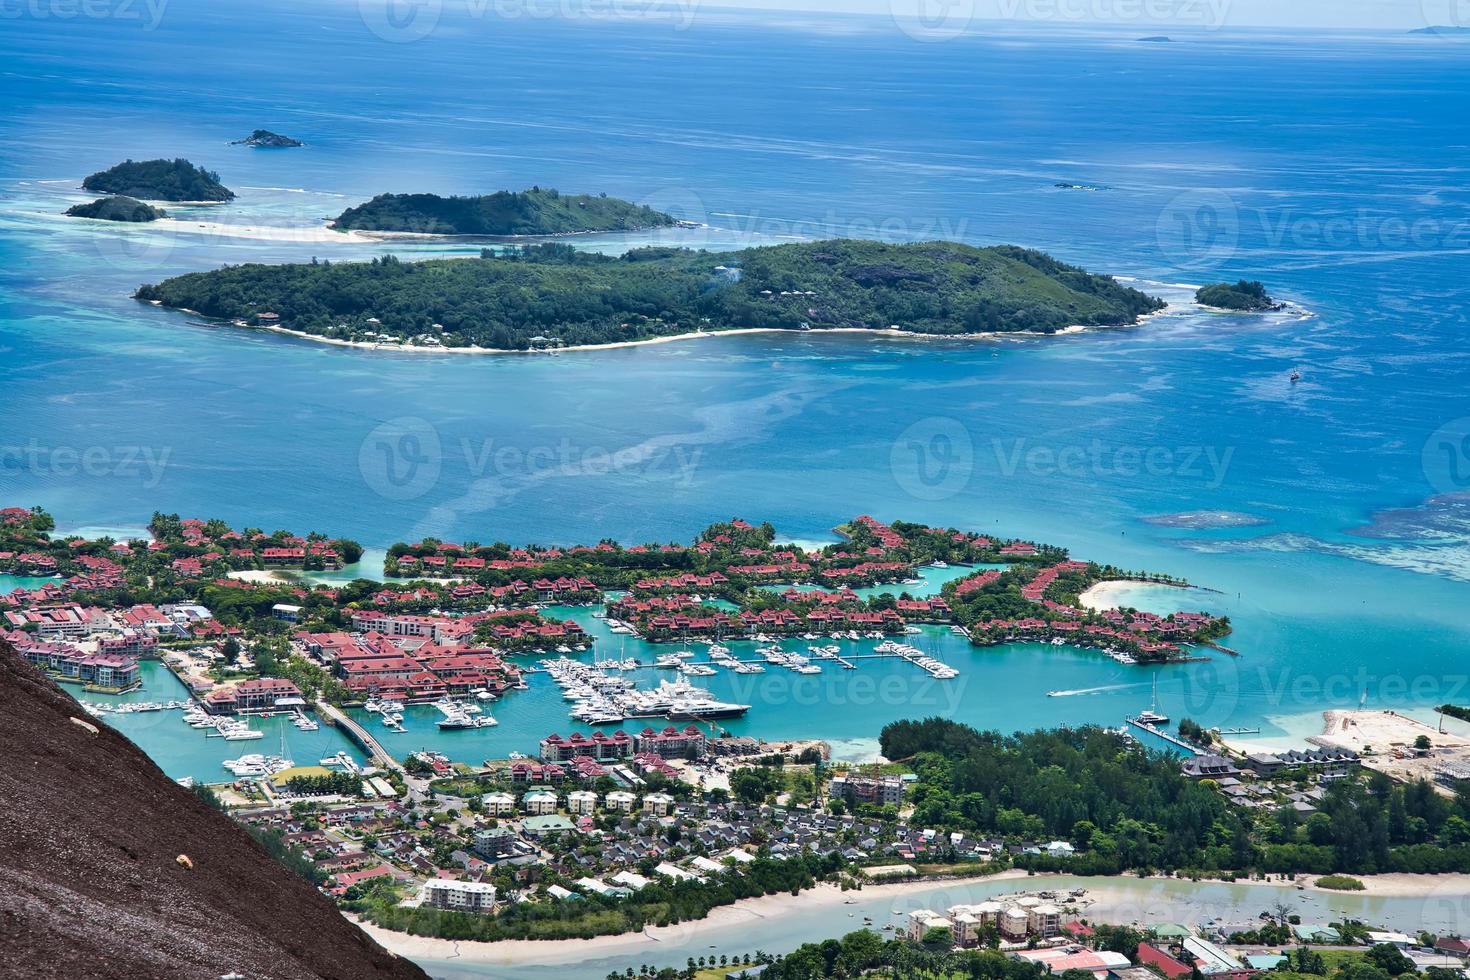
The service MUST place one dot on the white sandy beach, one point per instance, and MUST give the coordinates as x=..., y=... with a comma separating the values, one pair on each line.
x=267, y=233
x=671, y=338
x=1111, y=593
x=528, y=951
x=1121, y=899
x=260, y=576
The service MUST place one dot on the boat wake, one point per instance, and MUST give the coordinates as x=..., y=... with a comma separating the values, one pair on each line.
x=1091, y=690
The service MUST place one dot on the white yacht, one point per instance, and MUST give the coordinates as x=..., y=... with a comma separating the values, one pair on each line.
x=1152, y=715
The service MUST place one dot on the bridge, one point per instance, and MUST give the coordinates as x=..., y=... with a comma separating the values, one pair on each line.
x=365, y=741
x=1157, y=732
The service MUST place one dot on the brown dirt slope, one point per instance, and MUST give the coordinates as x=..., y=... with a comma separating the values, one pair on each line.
x=90, y=831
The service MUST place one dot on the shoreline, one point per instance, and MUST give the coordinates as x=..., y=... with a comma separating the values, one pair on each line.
x=467, y=239
x=1100, y=595
x=885, y=332
x=550, y=952
x=1111, y=898
x=260, y=576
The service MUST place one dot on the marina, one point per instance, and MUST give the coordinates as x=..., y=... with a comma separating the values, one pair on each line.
x=838, y=688
x=195, y=748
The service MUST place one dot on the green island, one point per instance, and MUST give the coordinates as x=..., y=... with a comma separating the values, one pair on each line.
x=1023, y=591
x=266, y=139
x=553, y=295
x=1243, y=295
x=160, y=180
x=538, y=211
x=120, y=208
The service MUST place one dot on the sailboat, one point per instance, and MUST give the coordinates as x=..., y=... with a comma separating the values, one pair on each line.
x=1153, y=716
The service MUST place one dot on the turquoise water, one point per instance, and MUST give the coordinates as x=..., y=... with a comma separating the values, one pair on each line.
x=183, y=751
x=1236, y=154
x=9, y=583
x=1130, y=900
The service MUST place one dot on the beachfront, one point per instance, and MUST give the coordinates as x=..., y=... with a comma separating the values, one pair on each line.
x=1407, y=902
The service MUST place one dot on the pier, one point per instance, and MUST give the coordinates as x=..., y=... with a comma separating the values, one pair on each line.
x=360, y=735
x=844, y=660
x=1171, y=739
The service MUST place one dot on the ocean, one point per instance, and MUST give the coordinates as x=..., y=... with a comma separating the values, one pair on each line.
x=1327, y=517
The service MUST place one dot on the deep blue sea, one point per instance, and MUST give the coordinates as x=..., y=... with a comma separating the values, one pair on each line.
x=1328, y=515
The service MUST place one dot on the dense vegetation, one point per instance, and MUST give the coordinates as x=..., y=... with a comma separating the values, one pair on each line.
x=509, y=300
x=117, y=209
x=160, y=180
x=267, y=139
x=865, y=952
x=325, y=784
x=660, y=903
x=1127, y=809
x=532, y=212
x=1241, y=295
x=1341, y=883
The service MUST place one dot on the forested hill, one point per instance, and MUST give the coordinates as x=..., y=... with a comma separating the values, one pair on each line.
x=552, y=294
x=532, y=212
x=160, y=180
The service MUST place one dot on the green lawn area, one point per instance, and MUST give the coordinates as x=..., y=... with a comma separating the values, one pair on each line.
x=1337, y=957
x=717, y=972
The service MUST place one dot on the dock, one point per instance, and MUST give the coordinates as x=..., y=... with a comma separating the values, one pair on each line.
x=1160, y=733
x=360, y=735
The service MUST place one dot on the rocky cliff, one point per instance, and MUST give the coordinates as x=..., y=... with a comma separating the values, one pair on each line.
x=110, y=869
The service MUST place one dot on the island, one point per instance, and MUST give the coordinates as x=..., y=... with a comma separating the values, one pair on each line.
x=160, y=180
x=120, y=208
x=232, y=629
x=551, y=295
x=503, y=214
x=1157, y=39
x=1249, y=297
x=266, y=139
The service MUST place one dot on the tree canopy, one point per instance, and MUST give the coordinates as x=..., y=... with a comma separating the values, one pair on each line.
x=160, y=180
x=531, y=212
x=1241, y=295
x=547, y=294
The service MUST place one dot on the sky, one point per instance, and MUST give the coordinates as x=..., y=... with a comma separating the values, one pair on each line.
x=1305, y=14
x=940, y=19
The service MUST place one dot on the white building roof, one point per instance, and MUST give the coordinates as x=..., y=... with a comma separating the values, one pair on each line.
x=678, y=874
x=630, y=879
